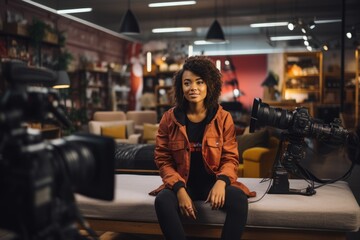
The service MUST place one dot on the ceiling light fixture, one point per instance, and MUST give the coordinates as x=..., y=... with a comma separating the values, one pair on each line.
x=172, y=29
x=129, y=24
x=63, y=80
x=350, y=33
x=74, y=10
x=286, y=38
x=312, y=24
x=215, y=32
x=327, y=21
x=291, y=26
x=171, y=4
x=204, y=42
x=269, y=24
x=283, y=24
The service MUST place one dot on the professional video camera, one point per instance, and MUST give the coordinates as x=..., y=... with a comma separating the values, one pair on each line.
x=298, y=124
x=38, y=178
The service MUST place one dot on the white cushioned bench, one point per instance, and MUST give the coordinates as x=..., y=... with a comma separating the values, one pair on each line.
x=328, y=214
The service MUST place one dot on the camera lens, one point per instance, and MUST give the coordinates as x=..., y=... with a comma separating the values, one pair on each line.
x=264, y=115
x=76, y=161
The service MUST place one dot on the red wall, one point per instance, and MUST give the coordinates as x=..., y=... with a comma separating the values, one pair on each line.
x=250, y=71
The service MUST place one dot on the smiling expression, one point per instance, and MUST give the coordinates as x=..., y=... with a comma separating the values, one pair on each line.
x=194, y=87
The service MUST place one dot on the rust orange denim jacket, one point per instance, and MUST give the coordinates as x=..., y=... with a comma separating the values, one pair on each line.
x=220, y=150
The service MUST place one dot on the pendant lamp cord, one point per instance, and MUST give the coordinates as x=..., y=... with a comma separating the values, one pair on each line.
x=215, y=9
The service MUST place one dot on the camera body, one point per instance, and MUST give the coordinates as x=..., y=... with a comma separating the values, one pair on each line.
x=38, y=178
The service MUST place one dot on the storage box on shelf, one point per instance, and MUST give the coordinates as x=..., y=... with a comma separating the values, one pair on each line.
x=303, y=76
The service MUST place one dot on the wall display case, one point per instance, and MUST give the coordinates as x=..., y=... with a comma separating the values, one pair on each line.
x=20, y=41
x=303, y=77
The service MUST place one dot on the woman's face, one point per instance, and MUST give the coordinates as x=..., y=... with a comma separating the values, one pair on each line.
x=194, y=87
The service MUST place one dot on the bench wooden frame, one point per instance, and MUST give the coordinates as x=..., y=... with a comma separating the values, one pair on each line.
x=214, y=231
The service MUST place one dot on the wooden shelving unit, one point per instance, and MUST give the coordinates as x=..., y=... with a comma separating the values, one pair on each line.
x=303, y=77
x=163, y=99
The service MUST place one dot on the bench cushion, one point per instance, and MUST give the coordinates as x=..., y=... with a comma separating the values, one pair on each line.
x=333, y=207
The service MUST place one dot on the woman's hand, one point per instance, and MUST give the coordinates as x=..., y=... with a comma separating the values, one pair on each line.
x=186, y=205
x=216, y=195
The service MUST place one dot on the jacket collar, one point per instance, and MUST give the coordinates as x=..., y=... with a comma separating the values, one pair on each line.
x=180, y=114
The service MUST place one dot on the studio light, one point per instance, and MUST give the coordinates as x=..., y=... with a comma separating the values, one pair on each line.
x=270, y=81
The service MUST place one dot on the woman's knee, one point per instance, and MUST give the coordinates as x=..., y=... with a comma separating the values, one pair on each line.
x=166, y=198
x=236, y=198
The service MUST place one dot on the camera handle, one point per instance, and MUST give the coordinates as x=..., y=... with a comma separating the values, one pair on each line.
x=280, y=176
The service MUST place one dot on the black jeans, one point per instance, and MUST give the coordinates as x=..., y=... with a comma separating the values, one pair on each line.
x=168, y=214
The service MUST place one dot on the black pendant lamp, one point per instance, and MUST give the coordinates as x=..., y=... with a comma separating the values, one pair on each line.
x=129, y=24
x=215, y=33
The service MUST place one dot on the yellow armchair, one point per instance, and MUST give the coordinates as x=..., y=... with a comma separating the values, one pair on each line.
x=258, y=161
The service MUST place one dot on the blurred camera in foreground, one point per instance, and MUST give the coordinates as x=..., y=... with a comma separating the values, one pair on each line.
x=38, y=178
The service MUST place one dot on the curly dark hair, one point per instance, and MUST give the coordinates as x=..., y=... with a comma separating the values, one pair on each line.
x=205, y=68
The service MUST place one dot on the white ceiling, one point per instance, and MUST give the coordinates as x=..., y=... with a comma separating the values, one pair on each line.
x=235, y=17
